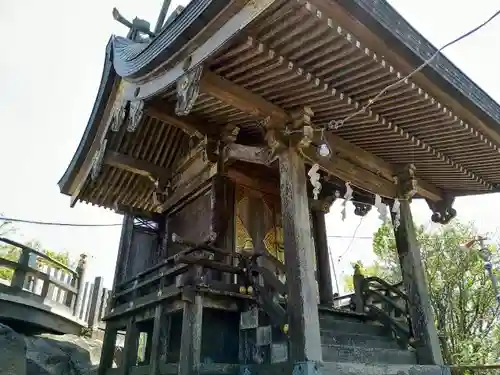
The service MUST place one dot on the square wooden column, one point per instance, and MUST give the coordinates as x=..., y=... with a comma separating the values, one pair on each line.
x=190, y=351
x=299, y=255
x=414, y=281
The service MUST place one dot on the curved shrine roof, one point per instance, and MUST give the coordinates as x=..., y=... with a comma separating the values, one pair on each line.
x=285, y=54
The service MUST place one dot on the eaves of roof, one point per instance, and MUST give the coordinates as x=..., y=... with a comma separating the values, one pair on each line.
x=108, y=80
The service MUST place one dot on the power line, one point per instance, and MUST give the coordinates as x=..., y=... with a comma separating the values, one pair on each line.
x=350, y=237
x=337, y=124
x=9, y=219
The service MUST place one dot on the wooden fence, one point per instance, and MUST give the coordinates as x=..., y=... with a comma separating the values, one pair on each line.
x=38, y=277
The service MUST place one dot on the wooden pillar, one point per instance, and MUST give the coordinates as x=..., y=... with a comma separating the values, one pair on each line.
x=20, y=272
x=357, y=282
x=78, y=282
x=324, y=277
x=95, y=303
x=305, y=344
x=422, y=319
x=130, y=347
x=155, y=341
x=123, y=251
x=190, y=351
x=108, y=349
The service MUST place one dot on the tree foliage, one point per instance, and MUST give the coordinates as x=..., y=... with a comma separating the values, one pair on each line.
x=461, y=292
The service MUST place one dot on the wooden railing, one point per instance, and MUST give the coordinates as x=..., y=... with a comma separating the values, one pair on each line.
x=40, y=278
x=386, y=303
x=267, y=287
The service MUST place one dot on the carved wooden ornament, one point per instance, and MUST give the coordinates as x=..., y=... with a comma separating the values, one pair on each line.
x=119, y=110
x=188, y=87
x=118, y=114
x=135, y=112
x=97, y=160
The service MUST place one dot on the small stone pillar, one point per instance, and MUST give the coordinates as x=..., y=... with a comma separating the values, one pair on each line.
x=80, y=271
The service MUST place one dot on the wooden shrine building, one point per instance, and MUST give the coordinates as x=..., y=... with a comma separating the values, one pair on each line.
x=224, y=135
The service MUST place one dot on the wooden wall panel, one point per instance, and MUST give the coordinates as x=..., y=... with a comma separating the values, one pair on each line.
x=192, y=223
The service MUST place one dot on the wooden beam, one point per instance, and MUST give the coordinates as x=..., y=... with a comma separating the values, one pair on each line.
x=164, y=112
x=188, y=185
x=250, y=154
x=264, y=186
x=249, y=102
x=133, y=165
x=239, y=97
x=347, y=171
x=377, y=165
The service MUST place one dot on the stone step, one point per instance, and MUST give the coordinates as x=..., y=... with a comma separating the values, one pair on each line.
x=341, y=314
x=364, y=328
x=348, y=368
x=365, y=341
x=344, y=353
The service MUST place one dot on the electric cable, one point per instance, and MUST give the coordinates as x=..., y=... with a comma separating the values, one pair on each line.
x=352, y=239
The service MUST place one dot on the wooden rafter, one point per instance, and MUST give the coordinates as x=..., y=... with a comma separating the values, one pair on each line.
x=377, y=171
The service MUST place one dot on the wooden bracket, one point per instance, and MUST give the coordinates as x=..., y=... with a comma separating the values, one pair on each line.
x=361, y=209
x=442, y=211
x=302, y=131
x=406, y=182
x=322, y=205
x=229, y=134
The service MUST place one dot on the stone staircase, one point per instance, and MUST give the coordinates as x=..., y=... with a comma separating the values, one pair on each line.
x=354, y=344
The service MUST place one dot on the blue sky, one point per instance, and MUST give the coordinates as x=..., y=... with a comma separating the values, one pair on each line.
x=50, y=68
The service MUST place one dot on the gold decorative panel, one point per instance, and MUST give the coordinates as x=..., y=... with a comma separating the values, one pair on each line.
x=258, y=223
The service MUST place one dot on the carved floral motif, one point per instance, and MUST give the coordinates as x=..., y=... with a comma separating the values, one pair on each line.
x=188, y=87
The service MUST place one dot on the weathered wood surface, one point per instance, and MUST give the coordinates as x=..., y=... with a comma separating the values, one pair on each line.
x=304, y=332
x=324, y=274
x=424, y=330
x=50, y=295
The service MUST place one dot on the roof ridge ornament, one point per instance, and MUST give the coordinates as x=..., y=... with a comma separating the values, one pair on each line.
x=136, y=26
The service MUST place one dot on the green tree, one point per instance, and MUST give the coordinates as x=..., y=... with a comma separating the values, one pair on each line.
x=7, y=251
x=461, y=292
